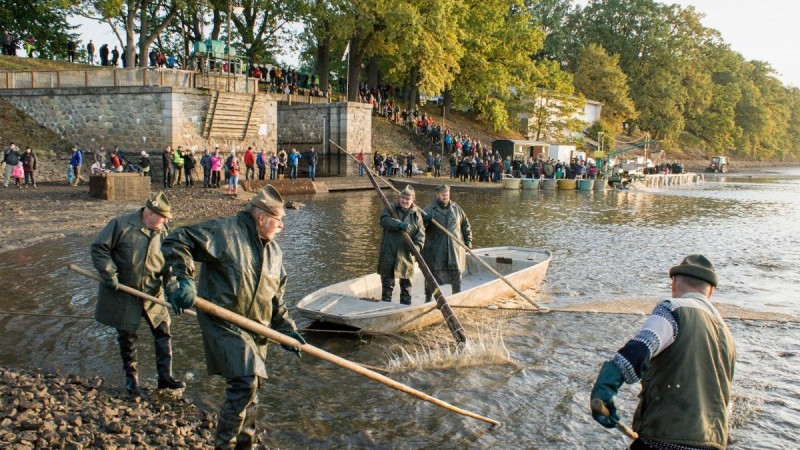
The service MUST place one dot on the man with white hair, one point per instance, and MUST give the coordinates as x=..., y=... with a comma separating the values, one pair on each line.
x=242, y=272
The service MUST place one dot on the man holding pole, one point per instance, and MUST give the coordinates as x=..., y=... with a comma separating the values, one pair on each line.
x=444, y=255
x=128, y=251
x=684, y=356
x=396, y=260
x=243, y=273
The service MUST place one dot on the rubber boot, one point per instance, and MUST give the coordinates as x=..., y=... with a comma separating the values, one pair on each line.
x=246, y=438
x=405, y=291
x=127, y=350
x=163, y=349
x=387, y=286
x=225, y=437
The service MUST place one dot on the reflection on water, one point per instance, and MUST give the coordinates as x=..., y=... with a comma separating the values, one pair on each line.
x=606, y=246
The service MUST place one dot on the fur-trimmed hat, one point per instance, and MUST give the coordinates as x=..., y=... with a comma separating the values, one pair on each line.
x=696, y=266
x=269, y=200
x=442, y=188
x=159, y=204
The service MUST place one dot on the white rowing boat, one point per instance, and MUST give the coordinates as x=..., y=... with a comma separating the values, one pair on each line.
x=356, y=303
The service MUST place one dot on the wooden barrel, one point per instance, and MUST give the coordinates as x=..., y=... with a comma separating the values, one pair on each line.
x=585, y=185
x=549, y=184
x=567, y=185
x=512, y=183
x=530, y=184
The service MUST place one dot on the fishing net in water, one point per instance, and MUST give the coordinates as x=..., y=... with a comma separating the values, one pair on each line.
x=487, y=348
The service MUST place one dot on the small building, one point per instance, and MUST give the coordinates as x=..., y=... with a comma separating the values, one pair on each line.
x=520, y=149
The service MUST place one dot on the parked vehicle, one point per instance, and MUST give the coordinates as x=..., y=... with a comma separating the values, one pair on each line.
x=718, y=164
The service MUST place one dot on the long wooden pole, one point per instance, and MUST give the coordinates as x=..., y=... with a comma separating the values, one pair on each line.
x=441, y=302
x=255, y=327
x=126, y=289
x=458, y=241
x=600, y=408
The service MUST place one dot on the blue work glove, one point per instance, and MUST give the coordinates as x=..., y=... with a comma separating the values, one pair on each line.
x=289, y=348
x=181, y=295
x=605, y=388
x=111, y=282
x=403, y=226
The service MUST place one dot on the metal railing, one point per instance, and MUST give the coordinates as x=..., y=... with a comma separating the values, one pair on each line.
x=149, y=77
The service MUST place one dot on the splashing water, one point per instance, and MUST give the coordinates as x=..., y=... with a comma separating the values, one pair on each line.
x=486, y=349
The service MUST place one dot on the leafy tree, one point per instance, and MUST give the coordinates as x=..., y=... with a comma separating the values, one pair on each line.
x=556, y=107
x=496, y=68
x=599, y=77
x=43, y=20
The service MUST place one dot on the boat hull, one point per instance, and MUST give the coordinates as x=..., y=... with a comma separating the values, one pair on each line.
x=356, y=303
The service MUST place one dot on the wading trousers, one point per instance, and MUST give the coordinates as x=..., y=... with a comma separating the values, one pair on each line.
x=163, y=350
x=445, y=276
x=236, y=425
x=387, y=284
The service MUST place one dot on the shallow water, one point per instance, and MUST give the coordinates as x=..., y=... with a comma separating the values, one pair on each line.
x=605, y=246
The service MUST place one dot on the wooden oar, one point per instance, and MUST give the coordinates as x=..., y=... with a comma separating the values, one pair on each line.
x=457, y=240
x=600, y=408
x=255, y=327
x=441, y=302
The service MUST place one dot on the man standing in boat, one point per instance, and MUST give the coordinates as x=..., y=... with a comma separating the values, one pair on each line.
x=242, y=272
x=396, y=259
x=128, y=251
x=684, y=356
x=446, y=258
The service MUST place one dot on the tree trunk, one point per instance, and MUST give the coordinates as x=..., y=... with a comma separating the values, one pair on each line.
x=372, y=72
x=216, y=27
x=130, y=44
x=447, y=101
x=414, y=87
x=323, y=68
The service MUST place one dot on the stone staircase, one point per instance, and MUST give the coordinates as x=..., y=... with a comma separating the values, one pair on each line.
x=233, y=116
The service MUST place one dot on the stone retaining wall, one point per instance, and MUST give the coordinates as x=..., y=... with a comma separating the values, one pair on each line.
x=347, y=124
x=134, y=118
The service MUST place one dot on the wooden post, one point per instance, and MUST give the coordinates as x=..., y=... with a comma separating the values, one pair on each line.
x=116, y=78
x=58, y=78
x=33, y=79
x=85, y=78
x=161, y=78
x=144, y=77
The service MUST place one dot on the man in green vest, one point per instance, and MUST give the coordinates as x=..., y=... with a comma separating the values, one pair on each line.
x=242, y=272
x=128, y=252
x=446, y=258
x=684, y=356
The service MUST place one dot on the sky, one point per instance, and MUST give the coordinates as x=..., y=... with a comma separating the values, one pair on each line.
x=764, y=30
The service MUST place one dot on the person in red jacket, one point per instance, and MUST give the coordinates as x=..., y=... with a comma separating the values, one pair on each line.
x=249, y=164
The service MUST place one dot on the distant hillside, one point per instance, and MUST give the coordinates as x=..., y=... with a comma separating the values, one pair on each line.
x=391, y=138
x=17, y=63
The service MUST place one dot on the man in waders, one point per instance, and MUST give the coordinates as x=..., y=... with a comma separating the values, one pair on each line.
x=242, y=272
x=396, y=259
x=446, y=258
x=128, y=251
x=684, y=357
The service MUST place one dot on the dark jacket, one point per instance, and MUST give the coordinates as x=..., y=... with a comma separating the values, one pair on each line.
x=240, y=273
x=440, y=252
x=130, y=251
x=205, y=162
x=396, y=259
x=29, y=161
